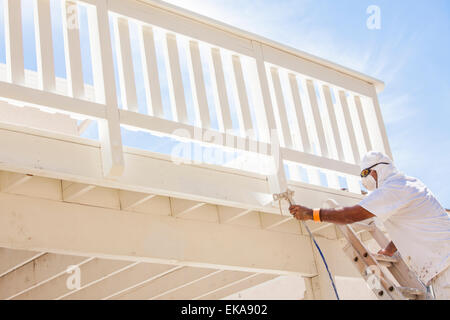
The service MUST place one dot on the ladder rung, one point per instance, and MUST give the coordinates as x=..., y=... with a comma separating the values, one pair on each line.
x=410, y=291
x=365, y=226
x=382, y=257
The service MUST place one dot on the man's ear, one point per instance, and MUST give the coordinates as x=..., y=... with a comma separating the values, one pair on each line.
x=375, y=176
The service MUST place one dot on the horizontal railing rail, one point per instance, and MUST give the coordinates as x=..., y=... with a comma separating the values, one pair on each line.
x=201, y=82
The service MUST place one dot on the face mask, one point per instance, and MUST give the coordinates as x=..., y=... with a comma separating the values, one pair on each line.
x=369, y=183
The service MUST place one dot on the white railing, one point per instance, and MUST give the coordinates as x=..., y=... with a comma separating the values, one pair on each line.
x=326, y=116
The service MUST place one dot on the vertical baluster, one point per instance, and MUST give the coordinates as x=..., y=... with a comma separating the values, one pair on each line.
x=177, y=98
x=220, y=91
x=74, y=68
x=198, y=86
x=261, y=95
x=381, y=126
x=44, y=45
x=334, y=125
x=105, y=89
x=281, y=108
x=244, y=115
x=349, y=125
x=151, y=76
x=125, y=65
x=13, y=41
x=362, y=121
x=317, y=118
x=299, y=113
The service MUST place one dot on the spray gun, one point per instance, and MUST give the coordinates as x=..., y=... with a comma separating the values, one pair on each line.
x=288, y=196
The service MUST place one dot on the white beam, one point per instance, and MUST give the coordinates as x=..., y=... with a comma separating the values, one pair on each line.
x=36, y=273
x=225, y=281
x=130, y=200
x=13, y=41
x=11, y=260
x=72, y=190
x=189, y=242
x=11, y=180
x=229, y=214
x=181, y=207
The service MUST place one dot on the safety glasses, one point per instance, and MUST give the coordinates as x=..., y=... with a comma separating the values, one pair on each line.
x=367, y=171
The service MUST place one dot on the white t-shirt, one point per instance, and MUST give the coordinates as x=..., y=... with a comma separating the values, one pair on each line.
x=416, y=222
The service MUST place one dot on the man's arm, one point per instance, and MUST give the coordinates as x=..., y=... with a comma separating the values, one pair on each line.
x=389, y=250
x=344, y=215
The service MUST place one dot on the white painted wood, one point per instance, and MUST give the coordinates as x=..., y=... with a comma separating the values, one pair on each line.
x=182, y=207
x=11, y=180
x=72, y=49
x=363, y=123
x=125, y=65
x=198, y=86
x=105, y=90
x=349, y=125
x=288, y=143
x=261, y=96
x=33, y=274
x=72, y=190
x=81, y=230
x=44, y=45
x=300, y=113
x=90, y=272
x=11, y=260
x=381, y=126
x=181, y=24
x=130, y=200
x=333, y=121
x=238, y=286
x=230, y=214
x=187, y=288
x=151, y=75
x=13, y=42
x=176, y=89
x=220, y=91
x=245, y=119
x=317, y=118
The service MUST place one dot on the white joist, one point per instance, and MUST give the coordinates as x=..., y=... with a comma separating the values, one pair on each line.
x=349, y=125
x=238, y=286
x=220, y=91
x=11, y=260
x=182, y=207
x=13, y=42
x=214, y=281
x=127, y=279
x=105, y=89
x=281, y=108
x=73, y=190
x=130, y=200
x=150, y=73
x=229, y=214
x=299, y=112
x=44, y=45
x=382, y=129
x=33, y=274
x=90, y=273
x=223, y=281
x=317, y=118
x=176, y=89
x=11, y=180
x=125, y=65
x=333, y=120
x=169, y=281
x=162, y=239
x=72, y=49
x=198, y=86
x=244, y=115
x=184, y=289
x=277, y=222
x=261, y=96
x=363, y=123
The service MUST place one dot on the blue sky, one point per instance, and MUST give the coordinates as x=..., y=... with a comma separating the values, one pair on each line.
x=410, y=53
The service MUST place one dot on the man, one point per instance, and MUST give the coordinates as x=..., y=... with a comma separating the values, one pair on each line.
x=415, y=221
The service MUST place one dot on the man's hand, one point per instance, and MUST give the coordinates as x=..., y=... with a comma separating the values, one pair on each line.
x=389, y=250
x=300, y=212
